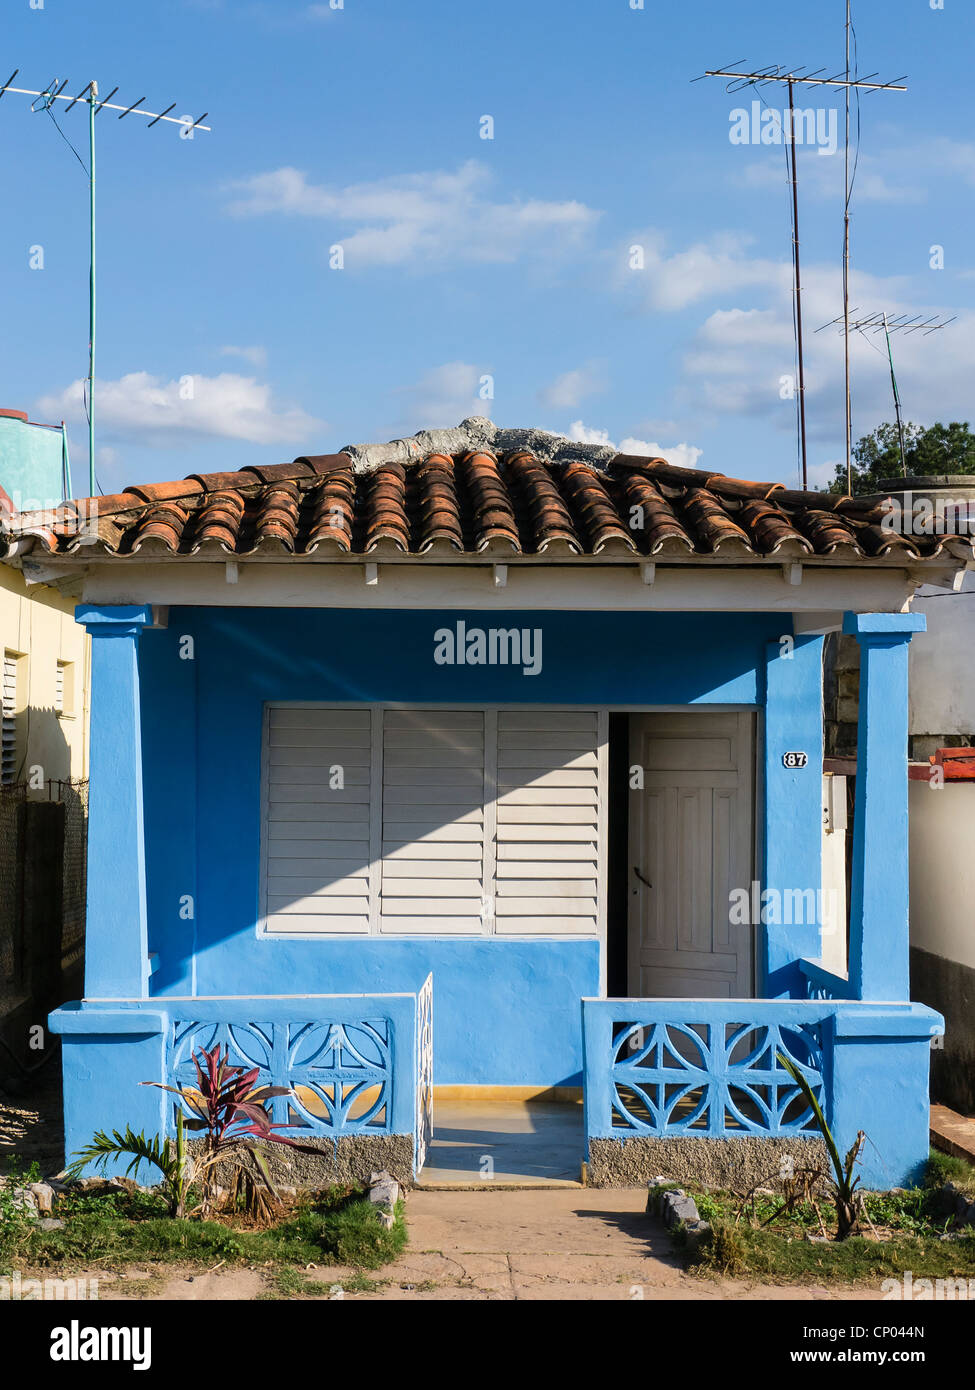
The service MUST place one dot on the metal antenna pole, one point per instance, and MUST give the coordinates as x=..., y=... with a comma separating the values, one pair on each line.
x=897, y=399
x=790, y=77
x=846, y=267
x=881, y=322
x=44, y=100
x=795, y=258
x=92, y=97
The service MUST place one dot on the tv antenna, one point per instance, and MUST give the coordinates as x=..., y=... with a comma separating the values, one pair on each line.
x=882, y=322
x=44, y=101
x=791, y=78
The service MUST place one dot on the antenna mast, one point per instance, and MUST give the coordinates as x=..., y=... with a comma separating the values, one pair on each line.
x=92, y=97
x=881, y=322
x=44, y=101
x=790, y=78
x=846, y=268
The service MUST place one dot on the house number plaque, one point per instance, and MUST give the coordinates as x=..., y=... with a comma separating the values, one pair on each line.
x=795, y=759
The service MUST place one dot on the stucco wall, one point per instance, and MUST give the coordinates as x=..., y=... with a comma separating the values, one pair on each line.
x=38, y=624
x=943, y=870
x=506, y=1012
x=943, y=664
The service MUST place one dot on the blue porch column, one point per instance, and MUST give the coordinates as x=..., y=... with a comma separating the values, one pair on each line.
x=793, y=811
x=116, y=944
x=879, y=937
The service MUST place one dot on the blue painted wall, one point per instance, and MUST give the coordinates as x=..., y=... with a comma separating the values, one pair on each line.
x=506, y=1012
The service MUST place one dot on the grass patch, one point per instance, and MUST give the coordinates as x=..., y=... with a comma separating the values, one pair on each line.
x=733, y=1251
x=904, y=1230
x=114, y=1229
x=944, y=1168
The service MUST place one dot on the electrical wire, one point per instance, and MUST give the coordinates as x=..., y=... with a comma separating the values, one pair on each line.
x=856, y=95
x=67, y=141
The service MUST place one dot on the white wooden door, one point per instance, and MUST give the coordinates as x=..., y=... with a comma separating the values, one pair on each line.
x=691, y=842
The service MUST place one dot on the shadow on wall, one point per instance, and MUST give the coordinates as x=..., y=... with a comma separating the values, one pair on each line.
x=43, y=824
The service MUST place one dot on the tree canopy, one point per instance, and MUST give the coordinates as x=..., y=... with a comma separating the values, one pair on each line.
x=877, y=461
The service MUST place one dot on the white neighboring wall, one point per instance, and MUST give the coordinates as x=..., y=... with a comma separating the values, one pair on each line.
x=943, y=663
x=943, y=870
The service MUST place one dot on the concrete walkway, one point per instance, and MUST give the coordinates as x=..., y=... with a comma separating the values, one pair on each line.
x=572, y=1245
x=953, y=1133
x=582, y=1244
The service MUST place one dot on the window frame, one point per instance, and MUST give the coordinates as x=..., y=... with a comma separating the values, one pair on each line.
x=488, y=930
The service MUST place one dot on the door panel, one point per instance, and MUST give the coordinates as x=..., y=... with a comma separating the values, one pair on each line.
x=691, y=841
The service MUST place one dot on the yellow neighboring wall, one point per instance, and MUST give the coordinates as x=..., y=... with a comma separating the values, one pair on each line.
x=46, y=682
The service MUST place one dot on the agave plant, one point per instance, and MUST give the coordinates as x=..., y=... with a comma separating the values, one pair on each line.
x=843, y=1186
x=229, y=1114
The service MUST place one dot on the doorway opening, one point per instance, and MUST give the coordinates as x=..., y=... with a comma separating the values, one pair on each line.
x=681, y=838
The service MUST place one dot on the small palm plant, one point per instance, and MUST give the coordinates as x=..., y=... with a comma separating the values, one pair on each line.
x=230, y=1116
x=167, y=1155
x=843, y=1186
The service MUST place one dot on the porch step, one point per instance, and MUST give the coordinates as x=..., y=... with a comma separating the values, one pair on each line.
x=952, y=1133
x=433, y=1183
x=487, y=1141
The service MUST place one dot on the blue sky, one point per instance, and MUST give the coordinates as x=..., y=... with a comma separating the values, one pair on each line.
x=469, y=258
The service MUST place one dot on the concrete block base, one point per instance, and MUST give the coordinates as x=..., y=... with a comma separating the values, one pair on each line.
x=733, y=1164
x=352, y=1158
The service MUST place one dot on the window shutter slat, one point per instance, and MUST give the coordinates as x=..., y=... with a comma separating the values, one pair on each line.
x=9, y=761
x=317, y=860
x=550, y=798
x=433, y=804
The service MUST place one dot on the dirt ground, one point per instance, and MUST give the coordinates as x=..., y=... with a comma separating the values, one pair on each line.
x=566, y=1244
x=31, y=1124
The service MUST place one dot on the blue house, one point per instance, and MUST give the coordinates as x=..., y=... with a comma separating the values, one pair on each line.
x=484, y=759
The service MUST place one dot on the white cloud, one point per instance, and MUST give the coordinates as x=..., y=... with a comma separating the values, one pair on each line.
x=921, y=166
x=740, y=360
x=571, y=388
x=823, y=179
x=719, y=266
x=443, y=397
x=150, y=410
x=820, y=475
x=418, y=218
x=683, y=455
x=256, y=356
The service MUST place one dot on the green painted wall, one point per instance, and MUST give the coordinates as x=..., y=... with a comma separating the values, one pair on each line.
x=33, y=463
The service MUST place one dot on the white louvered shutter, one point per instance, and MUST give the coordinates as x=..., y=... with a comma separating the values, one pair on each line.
x=433, y=822
x=9, y=768
x=549, y=790
x=59, y=688
x=317, y=836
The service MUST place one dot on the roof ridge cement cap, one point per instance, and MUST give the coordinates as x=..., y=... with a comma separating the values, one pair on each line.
x=477, y=434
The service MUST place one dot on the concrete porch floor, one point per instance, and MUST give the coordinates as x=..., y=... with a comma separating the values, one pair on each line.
x=504, y=1142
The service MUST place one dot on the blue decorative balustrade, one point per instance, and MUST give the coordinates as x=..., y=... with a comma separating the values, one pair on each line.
x=339, y=1074
x=712, y=1068
x=353, y=1064
x=687, y=1074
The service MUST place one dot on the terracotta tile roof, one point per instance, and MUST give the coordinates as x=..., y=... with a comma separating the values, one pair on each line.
x=473, y=502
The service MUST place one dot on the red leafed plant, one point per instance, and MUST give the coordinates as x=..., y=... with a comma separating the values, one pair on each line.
x=230, y=1116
